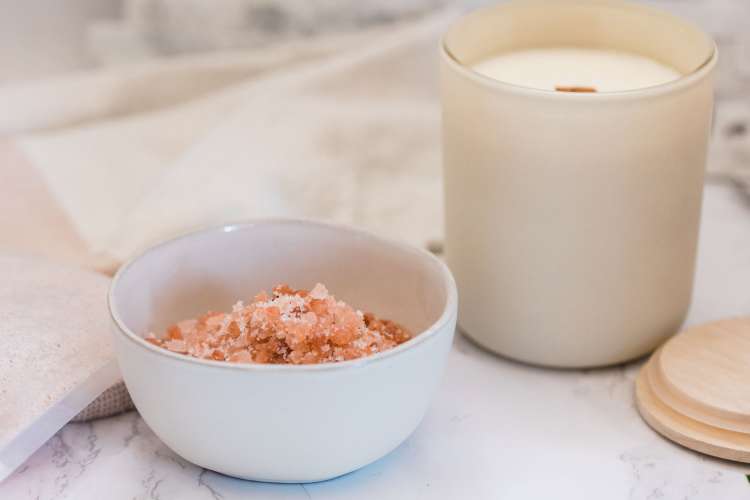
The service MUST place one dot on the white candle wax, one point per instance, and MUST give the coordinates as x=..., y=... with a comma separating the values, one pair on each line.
x=602, y=70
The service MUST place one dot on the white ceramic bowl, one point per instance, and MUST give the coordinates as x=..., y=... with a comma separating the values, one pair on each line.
x=282, y=423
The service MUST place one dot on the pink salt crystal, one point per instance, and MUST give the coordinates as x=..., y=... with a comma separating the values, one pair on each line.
x=319, y=292
x=186, y=325
x=289, y=326
x=174, y=332
x=234, y=330
x=241, y=357
x=176, y=346
x=310, y=318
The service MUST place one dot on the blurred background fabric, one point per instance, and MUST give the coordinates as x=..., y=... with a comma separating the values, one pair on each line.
x=126, y=121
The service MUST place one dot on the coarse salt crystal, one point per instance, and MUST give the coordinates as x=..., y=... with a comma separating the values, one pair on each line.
x=289, y=326
x=319, y=292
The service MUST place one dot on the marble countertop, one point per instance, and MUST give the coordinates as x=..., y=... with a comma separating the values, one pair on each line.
x=497, y=429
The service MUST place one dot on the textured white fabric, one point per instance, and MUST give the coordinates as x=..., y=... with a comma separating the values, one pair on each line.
x=350, y=137
x=114, y=400
x=56, y=350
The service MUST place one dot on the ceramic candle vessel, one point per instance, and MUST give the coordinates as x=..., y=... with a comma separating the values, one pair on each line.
x=572, y=218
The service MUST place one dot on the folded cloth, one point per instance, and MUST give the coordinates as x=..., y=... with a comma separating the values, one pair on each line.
x=57, y=352
x=345, y=132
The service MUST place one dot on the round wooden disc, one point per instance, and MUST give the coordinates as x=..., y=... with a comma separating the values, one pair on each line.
x=704, y=373
x=686, y=431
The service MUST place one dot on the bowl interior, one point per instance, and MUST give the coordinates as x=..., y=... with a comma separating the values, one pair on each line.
x=212, y=269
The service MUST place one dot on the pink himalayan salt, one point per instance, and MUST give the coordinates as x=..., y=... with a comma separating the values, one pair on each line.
x=288, y=327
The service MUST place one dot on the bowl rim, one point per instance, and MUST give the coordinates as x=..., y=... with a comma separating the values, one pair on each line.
x=449, y=312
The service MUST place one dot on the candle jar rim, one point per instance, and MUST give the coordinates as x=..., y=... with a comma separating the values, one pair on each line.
x=686, y=79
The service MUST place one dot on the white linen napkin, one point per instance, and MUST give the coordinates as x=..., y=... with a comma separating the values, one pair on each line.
x=349, y=135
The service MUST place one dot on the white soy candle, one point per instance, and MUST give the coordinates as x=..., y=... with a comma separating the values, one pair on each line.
x=571, y=217
x=566, y=68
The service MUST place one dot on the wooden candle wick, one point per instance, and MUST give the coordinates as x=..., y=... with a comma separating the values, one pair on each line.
x=561, y=88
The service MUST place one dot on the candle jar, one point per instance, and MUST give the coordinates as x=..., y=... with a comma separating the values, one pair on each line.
x=572, y=219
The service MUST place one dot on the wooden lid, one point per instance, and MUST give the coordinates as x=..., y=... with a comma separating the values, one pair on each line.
x=696, y=389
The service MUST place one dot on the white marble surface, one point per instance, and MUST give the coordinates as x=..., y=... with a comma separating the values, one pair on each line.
x=497, y=429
